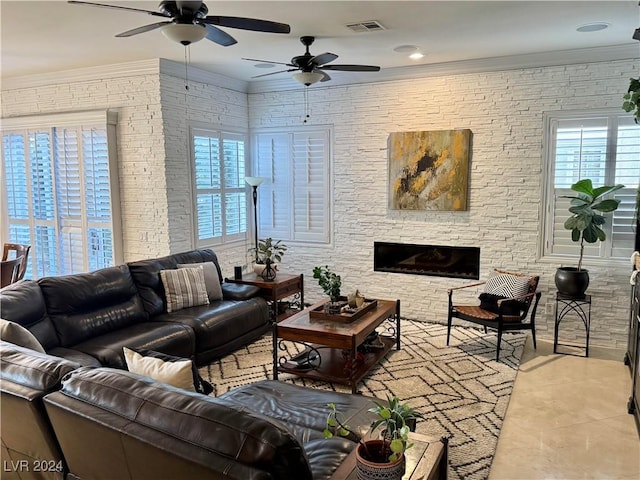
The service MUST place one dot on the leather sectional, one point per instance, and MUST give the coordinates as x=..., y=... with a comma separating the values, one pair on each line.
x=75, y=422
x=89, y=317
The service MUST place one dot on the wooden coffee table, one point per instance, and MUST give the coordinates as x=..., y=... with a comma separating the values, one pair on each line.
x=332, y=346
x=426, y=460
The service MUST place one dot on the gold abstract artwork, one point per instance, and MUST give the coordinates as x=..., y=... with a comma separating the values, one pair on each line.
x=429, y=170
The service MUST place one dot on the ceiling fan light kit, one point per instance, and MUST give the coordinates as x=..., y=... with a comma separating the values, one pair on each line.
x=308, y=78
x=184, y=33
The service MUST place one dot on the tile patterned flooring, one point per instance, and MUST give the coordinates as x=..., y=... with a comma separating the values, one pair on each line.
x=567, y=419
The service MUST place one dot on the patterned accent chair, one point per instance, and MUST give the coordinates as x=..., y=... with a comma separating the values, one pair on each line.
x=508, y=300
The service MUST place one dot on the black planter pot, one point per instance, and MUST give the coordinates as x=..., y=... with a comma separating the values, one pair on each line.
x=571, y=281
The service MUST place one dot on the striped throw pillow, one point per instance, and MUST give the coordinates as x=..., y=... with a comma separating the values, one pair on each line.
x=184, y=288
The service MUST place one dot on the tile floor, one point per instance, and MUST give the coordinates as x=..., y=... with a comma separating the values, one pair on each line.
x=567, y=419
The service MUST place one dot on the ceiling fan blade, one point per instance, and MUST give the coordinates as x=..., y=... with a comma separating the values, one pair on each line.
x=253, y=24
x=145, y=28
x=325, y=76
x=105, y=5
x=218, y=36
x=273, y=73
x=323, y=58
x=268, y=61
x=352, y=68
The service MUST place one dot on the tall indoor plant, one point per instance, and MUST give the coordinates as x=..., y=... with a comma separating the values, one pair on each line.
x=585, y=223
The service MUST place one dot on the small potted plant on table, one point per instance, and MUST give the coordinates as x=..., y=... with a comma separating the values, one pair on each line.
x=383, y=457
x=330, y=283
x=268, y=255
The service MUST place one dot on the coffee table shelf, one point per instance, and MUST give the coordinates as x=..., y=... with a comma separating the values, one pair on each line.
x=337, y=343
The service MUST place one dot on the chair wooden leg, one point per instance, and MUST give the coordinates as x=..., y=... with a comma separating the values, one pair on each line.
x=499, y=340
x=485, y=330
x=449, y=321
x=533, y=334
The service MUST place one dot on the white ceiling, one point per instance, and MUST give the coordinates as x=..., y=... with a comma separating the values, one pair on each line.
x=38, y=37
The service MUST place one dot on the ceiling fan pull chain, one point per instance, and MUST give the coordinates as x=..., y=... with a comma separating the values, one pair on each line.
x=306, y=104
x=187, y=60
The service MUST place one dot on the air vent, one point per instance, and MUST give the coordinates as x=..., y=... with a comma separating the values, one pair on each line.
x=368, y=26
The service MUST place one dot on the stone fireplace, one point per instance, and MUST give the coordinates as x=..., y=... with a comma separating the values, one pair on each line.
x=434, y=260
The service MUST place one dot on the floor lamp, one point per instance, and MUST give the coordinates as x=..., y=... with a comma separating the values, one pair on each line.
x=254, y=182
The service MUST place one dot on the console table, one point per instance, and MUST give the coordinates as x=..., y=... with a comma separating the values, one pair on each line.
x=283, y=286
x=580, y=307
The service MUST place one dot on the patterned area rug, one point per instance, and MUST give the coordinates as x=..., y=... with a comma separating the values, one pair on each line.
x=461, y=390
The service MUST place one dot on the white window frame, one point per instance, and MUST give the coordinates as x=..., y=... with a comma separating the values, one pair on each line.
x=223, y=237
x=71, y=257
x=600, y=253
x=291, y=197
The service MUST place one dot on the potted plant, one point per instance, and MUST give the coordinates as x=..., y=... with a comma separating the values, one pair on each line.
x=269, y=253
x=330, y=283
x=632, y=99
x=382, y=457
x=585, y=222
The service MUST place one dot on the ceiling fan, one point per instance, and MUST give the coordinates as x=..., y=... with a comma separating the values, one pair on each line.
x=188, y=22
x=312, y=67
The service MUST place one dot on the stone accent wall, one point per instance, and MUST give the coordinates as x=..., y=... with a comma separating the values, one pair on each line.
x=504, y=110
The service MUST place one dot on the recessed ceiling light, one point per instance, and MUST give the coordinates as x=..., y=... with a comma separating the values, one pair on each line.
x=592, y=27
x=264, y=65
x=405, y=49
x=416, y=56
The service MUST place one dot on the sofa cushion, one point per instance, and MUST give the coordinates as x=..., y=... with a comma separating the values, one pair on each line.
x=88, y=305
x=184, y=288
x=18, y=335
x=168, y=337
x=122, y=408
x=211, y=279
x=23, y=303
x=176, y=373
x=146, y=275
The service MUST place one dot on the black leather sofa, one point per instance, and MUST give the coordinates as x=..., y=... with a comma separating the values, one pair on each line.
x=89, y=317
x=104, y=423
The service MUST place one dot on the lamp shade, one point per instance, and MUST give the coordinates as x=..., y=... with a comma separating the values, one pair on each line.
x=308, y=78
x=254, y=181
x=184, y=33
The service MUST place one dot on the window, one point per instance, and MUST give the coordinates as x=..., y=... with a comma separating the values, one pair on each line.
x=220, y=189
x=606, y=149
x=294, y=201
x=59, y=192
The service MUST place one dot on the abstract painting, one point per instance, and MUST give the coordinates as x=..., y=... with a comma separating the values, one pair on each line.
x=429, y=170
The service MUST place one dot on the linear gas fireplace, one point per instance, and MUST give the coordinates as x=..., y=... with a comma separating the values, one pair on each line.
x=434, y=260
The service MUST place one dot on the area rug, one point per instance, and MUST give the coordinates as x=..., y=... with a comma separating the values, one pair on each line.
x=461, y=390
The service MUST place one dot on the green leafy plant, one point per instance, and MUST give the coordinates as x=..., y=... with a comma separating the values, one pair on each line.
x=632, y=99
x=393, y=420
x=268, y=249
x=586, y=209
x=328, y=281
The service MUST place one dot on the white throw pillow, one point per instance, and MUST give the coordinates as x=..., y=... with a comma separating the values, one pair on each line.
x=211, y=279
x=507, y=284
x=18, y=335
x=177, y=374
x=184, y=288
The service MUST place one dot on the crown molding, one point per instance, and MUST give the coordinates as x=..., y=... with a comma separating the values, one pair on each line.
x=176, y=69
x=514, y=62
x=152, y=66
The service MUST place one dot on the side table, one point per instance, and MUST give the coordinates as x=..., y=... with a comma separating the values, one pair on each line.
x=580, y=307
x=428, y=459
x=283, y=286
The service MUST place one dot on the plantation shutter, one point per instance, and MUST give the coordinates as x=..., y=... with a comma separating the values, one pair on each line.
x=61, y=195
x=605, y=149
x=293, y=202
x=310, y=187
x=273, y=152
